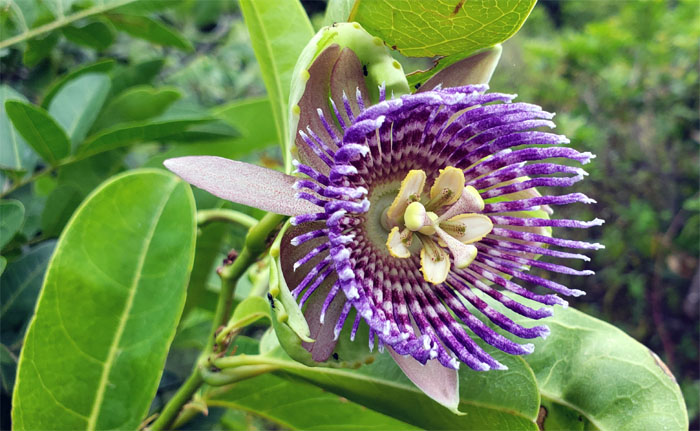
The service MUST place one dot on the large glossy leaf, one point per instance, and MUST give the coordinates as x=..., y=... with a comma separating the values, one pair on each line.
x=15, y=154
x=493, y=400
x=279, y=31
x=39, y=129
x=77, y=104
x=591, y=369
x=440, y=27
x=20, y=287
x=106, y=315
x=151, y=30
x=298, y=405
x=11, y=218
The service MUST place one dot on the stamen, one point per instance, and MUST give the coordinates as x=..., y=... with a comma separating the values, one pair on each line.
x=398, y=243
x=434, y=261
x=447, y=188
x=462, y=254
x=470, y=201
x=410, y=191
x=468, y=228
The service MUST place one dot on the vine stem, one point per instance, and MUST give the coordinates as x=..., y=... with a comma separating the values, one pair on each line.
x=208, y=216
x=27, y=180
x=62, y=21
x=256, y=242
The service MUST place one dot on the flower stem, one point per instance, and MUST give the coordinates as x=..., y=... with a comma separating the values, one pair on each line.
x=181, y=397
x=208, y=216
x=256, y=242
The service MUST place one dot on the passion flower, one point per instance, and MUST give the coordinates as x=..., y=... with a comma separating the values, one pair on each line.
x=416, y=211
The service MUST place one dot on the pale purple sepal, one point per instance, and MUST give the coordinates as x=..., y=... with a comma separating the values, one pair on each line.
x=436, y=381
x=322, y=332
x=476, y=69
x=242, y=183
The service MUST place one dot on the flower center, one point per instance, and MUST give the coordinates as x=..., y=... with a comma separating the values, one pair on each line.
x=444, y=222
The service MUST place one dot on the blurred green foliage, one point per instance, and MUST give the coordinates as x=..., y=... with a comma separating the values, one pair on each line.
x=622, y=76
x=623, y=79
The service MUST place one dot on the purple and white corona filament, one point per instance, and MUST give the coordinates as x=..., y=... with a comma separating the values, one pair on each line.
x=421, y=201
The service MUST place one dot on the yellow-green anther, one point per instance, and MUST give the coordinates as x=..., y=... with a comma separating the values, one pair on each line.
x=397, y=243
x=434, y=261
x=468, y=228
x=447, y=187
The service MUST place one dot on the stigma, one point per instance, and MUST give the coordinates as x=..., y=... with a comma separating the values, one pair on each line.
x=441, y=223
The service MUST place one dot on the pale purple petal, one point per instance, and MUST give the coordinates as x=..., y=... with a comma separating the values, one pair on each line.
x=242, y=183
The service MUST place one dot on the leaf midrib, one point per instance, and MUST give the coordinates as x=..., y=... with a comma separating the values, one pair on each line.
x=111, y=355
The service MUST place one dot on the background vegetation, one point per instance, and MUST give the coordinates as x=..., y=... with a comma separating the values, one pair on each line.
x=622, y=76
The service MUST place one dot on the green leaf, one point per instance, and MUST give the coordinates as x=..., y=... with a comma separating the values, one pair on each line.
x=59, y=207
x=210, y=240
x=97, y=35
x=8, y=369
x=558, y=417
x=136, y=104
x=216, y=130
x=249, y=311
x=126, y=134
x=108, y=314
x=11, y=218
x=249, y=117
x=494, y=400
x=338, y=11
x=194, y=328
x=597, y=371
x=77, y=104
x=75, y=182
x=299, y=405
x=3, y=264
x=138, y=74
x=39, y=129
x=38, y=49
x=15, y=154
x=149, y=29
x=21, y=284
x=441, y=28
x=279, y=31
x=62, y=21
x=100, y=66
